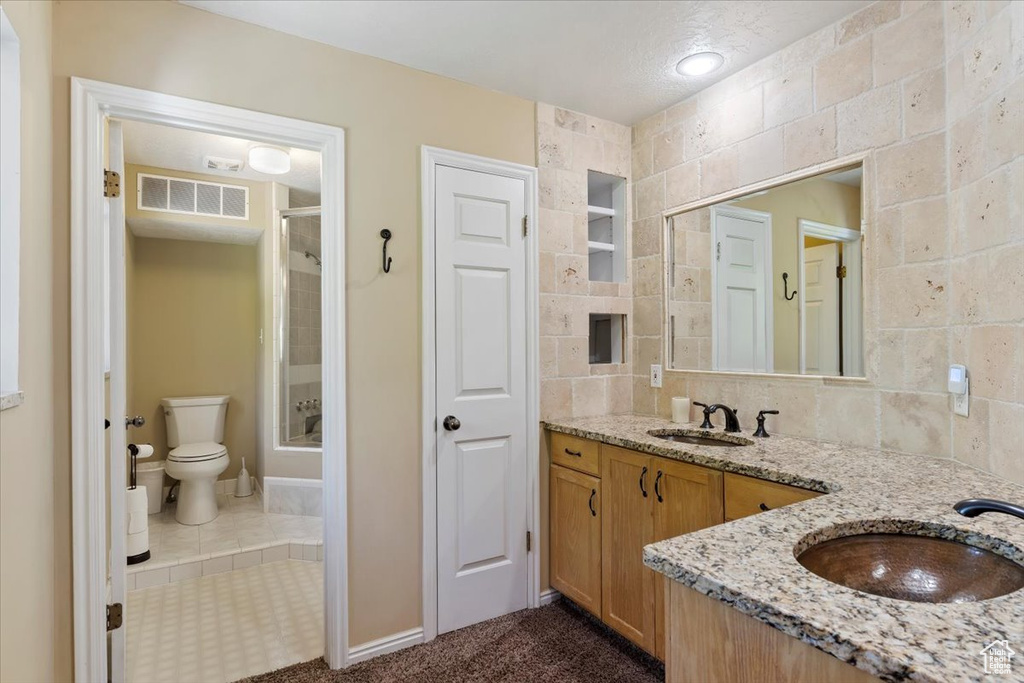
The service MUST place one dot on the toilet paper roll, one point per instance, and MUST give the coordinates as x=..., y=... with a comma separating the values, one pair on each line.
x=680, y=409
x=144, y=451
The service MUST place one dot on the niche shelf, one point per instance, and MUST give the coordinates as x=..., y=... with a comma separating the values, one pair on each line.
x=606, y=201
x=606, y=337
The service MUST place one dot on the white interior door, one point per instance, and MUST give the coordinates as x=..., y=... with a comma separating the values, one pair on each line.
x=481, y=382
x=116, y=397
x=742, y=269
x=821, y=310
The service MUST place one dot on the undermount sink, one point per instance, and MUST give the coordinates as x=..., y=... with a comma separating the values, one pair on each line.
x=686, y=436
x=914, y=568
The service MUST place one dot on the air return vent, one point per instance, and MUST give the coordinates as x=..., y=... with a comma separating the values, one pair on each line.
x=181, y=195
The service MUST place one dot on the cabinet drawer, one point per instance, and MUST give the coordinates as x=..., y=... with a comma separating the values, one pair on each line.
x=575, y=453
x=745, y=496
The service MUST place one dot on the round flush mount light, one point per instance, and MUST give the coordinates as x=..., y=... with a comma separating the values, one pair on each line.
x=700, y=64
x=269, y=160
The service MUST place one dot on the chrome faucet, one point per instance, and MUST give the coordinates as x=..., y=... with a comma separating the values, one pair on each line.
x=972, y=507
x=732, y=423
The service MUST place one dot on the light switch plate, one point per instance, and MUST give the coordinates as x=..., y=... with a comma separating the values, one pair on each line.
x=960, y=401
x=656, y=376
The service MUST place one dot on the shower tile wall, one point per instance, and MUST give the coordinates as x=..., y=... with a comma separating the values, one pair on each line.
x=304, y=353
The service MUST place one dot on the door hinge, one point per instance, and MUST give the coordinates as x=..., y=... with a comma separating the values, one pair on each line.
x=529, y=541
x=718, y=252
x=526, y=226
x=840, y=272
x=114, y=616
x=111, y=184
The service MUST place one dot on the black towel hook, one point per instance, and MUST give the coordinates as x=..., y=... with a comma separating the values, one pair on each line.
x=785, y=287
x=386, y=234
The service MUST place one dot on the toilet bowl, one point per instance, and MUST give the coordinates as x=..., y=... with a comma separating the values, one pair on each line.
x=195, y=430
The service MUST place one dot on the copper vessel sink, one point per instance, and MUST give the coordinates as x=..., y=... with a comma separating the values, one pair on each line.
x=915, y=568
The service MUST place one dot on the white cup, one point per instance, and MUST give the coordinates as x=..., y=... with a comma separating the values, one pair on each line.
x=680, y=409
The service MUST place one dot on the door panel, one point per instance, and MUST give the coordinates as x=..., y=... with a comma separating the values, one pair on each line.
x=686, y=498
x=576, y=537
x=743, y=334
x=627, y=600
x=480, y=291
x=821, y=310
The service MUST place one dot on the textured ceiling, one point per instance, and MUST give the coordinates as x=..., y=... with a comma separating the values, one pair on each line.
x=177, y=149
x=614, y=59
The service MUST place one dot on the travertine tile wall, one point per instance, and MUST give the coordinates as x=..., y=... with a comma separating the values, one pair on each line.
x=933, y=93
x=568, y=145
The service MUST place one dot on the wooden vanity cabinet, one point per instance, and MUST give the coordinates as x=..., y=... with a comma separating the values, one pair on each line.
x=627, y=596
x=647, y=499
x=686, y=498
x=745, y=496
x=575, y=556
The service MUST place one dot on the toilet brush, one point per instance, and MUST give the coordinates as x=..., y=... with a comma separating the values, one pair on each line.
x=243, y=485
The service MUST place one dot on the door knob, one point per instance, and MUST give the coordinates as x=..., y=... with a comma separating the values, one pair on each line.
x=451, y=423
x=136, y=421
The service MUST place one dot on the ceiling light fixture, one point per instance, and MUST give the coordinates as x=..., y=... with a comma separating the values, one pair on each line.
x=700, y=64
x=270, y=160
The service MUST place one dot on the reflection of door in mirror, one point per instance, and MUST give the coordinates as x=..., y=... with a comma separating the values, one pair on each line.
x=830, y=299
x=742, y=283
x=821, y=310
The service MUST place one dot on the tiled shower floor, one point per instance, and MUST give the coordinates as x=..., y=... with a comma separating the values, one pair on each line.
x=216, y=629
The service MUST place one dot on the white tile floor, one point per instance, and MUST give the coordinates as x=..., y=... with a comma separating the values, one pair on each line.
x=225, y=627
x=242, y=525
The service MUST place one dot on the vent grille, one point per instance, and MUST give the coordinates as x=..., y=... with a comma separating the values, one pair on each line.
x=180, y=195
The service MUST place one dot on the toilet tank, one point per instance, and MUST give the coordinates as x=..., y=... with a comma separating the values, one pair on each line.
x=195, y=419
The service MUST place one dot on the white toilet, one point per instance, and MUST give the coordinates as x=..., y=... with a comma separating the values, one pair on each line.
x=195, y=430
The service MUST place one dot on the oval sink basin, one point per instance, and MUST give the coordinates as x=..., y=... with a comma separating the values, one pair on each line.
x=914, y=568
x=696, y=440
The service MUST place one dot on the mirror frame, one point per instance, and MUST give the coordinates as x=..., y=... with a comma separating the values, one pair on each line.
x=869, y=328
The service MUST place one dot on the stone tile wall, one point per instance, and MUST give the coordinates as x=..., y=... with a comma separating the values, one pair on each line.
x=568, y=145
x=932, y=93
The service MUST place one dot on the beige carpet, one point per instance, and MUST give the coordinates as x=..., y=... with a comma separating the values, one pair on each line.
x=549, y=644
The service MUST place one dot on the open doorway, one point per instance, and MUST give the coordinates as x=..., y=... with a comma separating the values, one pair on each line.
x=177, y=320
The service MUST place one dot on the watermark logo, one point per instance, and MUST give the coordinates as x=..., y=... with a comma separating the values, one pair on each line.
x=997, y=657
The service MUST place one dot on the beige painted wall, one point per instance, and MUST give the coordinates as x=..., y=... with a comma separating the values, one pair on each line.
x=28, y=610
x=931, y=93
x=815, y=200
x=388, y=112
x=193, y=327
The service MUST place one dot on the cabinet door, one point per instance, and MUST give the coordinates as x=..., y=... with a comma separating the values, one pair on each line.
x=686, y=498
x=627, y=603
x=575, y=511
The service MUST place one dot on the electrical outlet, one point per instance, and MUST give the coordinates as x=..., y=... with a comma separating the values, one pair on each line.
x=656, y=376
x=960, y=401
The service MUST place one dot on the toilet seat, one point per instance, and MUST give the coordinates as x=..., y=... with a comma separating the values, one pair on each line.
x=197, y=452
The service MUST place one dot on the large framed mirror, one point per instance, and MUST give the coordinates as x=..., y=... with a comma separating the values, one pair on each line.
x=770, y=282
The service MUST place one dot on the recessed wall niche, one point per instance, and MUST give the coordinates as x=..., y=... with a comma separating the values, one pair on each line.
x=606, y=209
x=606, y=337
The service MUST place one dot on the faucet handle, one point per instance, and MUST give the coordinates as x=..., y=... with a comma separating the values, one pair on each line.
x=707, y=415
x=760, y=423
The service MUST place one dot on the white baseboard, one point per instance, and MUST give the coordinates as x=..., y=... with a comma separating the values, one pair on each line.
x=385, y=645
x=549, y=596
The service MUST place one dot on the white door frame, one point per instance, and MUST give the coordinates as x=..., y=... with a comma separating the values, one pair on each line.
x=832, y=233
x=769, y=283
x=91, y=101
x=430, y=158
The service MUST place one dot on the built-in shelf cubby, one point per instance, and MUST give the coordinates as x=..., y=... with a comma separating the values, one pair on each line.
x=606, y=221
x=607, y=332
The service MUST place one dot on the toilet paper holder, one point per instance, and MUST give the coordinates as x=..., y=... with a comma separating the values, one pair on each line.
x=137, y=451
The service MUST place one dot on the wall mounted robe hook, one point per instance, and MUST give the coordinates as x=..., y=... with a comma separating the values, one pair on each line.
x=785, y=287
x=386, y=234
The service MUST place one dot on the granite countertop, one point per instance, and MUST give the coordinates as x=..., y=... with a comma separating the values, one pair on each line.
x=750, y=564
